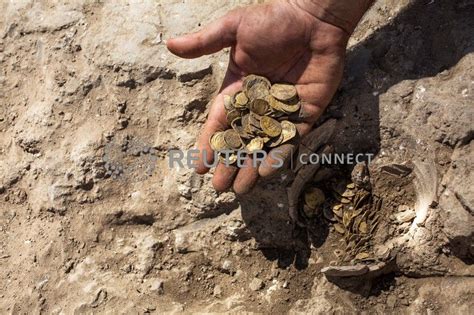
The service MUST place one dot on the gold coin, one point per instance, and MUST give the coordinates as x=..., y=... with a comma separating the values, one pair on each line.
x=290, y=108
x=245, y=123
x=288, y=130
x=259, y=106
x=350, y=186
x=256, y=144
x=232, y=115
x=217, y=141
x=270, y=126
x=339, y=228
x=228, y=160
x=240, y=100
x=254, y=119
x=345, y=200
x=258, y=91
x=346, y=218
x=274, y=142
x=228, y=103
x=237, y=126
x=362, y=256
x=282, y=107
x=283, y=92
x=274, y=104
x=252, y=79
x=355, y=224
x=232, y=139
x=348, y=194
x=314, y=197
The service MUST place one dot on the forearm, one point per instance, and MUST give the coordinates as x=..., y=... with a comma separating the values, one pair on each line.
x=345, y=14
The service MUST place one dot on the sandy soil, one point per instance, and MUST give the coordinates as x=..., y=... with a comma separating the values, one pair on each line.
x=92, y=220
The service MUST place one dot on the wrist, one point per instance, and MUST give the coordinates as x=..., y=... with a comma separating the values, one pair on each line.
x=344, y=14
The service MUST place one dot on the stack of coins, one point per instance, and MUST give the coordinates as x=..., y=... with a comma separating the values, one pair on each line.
x=258, y=116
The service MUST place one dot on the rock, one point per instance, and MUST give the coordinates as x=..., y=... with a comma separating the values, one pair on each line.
x=256, y=284
x=67, y=117
x=391, y=301
x=345, y=271
x=100, y=298
x=194, y=69
x=457, y=202
x=360, y=175
x=217, y=292
x=157, y=286
x=227, y=267
x=41, y=20
x=399, y=170
x=405, y=214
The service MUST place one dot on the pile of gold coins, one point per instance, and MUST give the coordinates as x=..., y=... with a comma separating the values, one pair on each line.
x=259, y=118
x=352, y=211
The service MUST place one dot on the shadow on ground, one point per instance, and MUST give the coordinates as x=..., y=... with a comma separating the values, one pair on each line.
x=425, y=39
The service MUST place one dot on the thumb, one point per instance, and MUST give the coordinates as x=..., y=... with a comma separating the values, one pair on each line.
x=211, y=39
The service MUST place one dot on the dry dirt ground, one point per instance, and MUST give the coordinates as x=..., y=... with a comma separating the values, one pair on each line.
x=92, y=220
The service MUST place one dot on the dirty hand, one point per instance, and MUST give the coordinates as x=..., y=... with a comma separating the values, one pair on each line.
x=286, y=41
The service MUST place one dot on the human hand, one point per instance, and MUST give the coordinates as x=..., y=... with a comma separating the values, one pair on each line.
x=282, y=41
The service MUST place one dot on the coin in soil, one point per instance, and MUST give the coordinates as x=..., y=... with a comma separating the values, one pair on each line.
x=339, y=228
x=232, y=139
x=314, y=197
x=217, y=141
x=256, y=144
x=283, y=92
x=337, y=210
x=270, y=126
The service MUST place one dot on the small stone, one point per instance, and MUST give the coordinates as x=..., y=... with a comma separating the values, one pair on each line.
x=256, y=284
x=285, y=285
x=100, y=298
x=122, y=107
x=227, y=267
x=157, y=286
x=391, y=300
x=404, y=302
x=217, y=291
x=67, y=117
x=345, y=271
x=123, y=122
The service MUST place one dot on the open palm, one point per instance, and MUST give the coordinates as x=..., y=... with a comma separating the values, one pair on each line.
x=282, y=42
